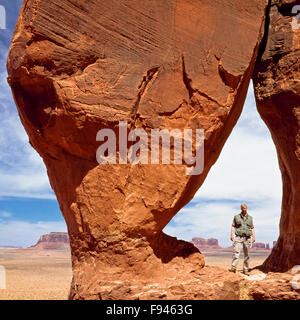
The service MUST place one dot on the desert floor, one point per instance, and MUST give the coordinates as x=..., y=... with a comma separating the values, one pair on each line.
x=47, y=275
x=36, y=275
x=223, y=258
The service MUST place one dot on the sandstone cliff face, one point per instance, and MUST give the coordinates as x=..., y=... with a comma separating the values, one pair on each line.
x=277, y=90
x=76, y=67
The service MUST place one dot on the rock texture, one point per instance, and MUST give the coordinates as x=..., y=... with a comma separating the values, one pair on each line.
x=53, y=241
x=76, y=67
x=206, y=244
x=208, y=283
x=276, y=286
x=277, y=90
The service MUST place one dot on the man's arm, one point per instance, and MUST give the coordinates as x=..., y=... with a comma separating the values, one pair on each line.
x=253, y=232
x=253, y=235
x=232, y=233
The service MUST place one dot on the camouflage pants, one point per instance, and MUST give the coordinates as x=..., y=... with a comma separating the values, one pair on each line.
x=240, y=242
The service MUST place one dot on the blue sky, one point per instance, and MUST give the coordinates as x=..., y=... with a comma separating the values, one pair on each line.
x=247, y=171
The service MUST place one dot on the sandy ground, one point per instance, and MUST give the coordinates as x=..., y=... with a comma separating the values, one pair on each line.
x=223, y=258
x=47, y=275
x=36, y=275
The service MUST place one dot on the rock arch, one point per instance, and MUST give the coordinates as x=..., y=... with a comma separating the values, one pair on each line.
x=78, y=66
x=277, y=90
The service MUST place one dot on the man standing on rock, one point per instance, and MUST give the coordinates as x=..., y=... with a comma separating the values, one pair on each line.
x=243, y=227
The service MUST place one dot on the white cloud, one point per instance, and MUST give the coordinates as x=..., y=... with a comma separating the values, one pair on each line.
x=22, y=171
x=4, y=214
x=25, y=234
x=248, y=167
x=213, y=220
x=246, y=171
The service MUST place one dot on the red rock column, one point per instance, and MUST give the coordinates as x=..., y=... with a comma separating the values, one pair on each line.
x=76, y=67
x=277, y=90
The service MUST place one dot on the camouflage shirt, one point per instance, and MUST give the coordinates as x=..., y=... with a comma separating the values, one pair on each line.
x=243, y=225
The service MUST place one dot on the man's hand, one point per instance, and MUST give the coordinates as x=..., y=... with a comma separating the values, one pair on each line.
x=253, y=239
x=231, y=237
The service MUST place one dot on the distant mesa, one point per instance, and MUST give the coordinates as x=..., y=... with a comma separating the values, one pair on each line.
x=10, y=247
x=53, y=241
x=260, y=246
x=213, y=244
x=206, y=244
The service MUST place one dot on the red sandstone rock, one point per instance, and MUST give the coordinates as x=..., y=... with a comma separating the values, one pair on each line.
x=53, y=241
x=277, y=90
x=78, y=66
x=276, y=286
x=208, y=283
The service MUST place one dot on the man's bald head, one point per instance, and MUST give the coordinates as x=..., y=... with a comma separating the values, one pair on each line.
x=244, y=208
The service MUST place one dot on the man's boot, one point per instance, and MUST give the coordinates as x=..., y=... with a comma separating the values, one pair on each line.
x=232, y=269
